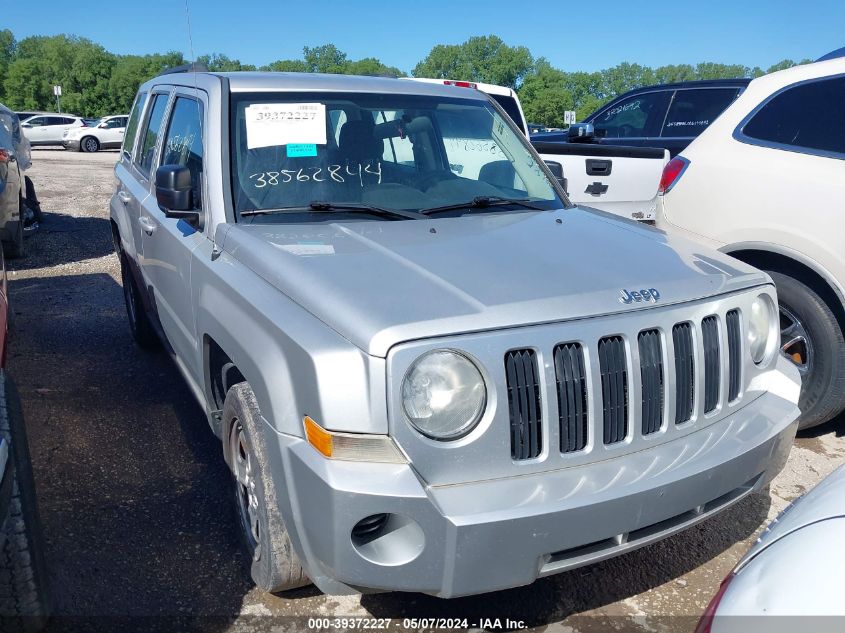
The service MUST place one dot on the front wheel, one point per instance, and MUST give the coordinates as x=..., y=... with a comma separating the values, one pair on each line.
x=139, y=322
x=811, y=338
x=89, y=144
x=274, y=566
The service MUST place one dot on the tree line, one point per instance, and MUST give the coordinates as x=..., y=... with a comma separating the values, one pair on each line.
x=96, y=82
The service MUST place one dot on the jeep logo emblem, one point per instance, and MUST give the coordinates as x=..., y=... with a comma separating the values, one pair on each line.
x=638, y=296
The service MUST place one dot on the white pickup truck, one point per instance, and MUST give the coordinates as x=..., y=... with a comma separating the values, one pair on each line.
x=619, y=180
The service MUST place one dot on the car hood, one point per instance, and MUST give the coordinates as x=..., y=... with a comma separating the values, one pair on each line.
x=825, y=501
x=379, y=283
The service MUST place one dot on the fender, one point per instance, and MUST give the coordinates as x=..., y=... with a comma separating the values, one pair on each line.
x=779, y=249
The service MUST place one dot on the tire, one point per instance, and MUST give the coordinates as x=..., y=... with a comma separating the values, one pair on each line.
x=139, y=321
x=24, y=590
x=274, y=566
x=32, y=200
x=89, y=144
x=820, y=358
x=16, y=248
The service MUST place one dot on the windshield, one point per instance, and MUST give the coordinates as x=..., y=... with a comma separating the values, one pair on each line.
x=394, y=152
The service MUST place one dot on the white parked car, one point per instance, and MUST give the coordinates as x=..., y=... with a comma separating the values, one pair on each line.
x=105, y=133
x=48, y=129
x=766, y=184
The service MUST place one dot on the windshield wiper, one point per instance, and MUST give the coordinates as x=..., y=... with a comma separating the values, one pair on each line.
x=318, y=206
x=482, y=202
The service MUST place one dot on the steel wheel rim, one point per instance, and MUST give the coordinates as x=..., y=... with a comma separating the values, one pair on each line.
x=90, y=145
x=795, y=343
x=245, y=488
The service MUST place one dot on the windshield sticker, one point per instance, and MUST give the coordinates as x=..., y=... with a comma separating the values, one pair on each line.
x=271, y=124
x=301, y=150
x=364, y=174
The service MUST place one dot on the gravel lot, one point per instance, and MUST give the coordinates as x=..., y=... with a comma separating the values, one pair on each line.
x=135, y=497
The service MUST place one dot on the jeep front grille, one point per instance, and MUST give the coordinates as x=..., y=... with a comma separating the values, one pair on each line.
x=571, y=380
x=684, y=372
x=651, y=374
x=614, y=388
x=712, y=375
x=691, y=348
x=734, y=347
x=524, y=403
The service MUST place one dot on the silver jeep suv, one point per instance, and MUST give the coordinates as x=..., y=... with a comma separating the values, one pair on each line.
x=428, y=371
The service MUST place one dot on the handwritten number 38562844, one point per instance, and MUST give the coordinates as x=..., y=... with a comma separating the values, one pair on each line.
x=331, y=173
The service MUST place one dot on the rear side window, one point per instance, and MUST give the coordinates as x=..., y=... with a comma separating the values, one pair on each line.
x=132, y=126
x=637, y=116
x=149, y=134
x=183, y=143
x=806, y=117
x=693, y=110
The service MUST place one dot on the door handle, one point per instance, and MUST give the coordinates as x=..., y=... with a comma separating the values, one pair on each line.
x=147, y=224
x=125, y=198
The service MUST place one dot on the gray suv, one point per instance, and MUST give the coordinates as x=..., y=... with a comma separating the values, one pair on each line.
x=427, y=370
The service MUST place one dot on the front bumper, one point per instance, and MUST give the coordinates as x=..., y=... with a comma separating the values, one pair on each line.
x=485, y=536
x=71, y=144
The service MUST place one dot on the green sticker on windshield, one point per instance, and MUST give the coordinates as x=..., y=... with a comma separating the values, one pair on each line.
x=299, y=150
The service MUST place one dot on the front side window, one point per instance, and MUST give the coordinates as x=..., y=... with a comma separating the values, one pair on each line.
x=38, y=121
x=149, y=135
x=132, y=126
x=807, y=117
x=183, y=143
x=692, y=111
x=399, y=152
x=637, y=116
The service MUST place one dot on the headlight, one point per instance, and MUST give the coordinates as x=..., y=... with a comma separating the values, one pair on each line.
x=762, y=328
x=443, y=395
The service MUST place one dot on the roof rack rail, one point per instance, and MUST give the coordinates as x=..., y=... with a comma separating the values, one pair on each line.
x=193, y=67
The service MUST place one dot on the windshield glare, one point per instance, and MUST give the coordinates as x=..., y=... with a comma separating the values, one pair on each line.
x=383, y=150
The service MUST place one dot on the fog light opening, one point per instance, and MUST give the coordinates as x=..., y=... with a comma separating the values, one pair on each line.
x=370, y=526
x=388, y=539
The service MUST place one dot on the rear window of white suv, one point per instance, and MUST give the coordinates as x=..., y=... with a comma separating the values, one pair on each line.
x=805, y=117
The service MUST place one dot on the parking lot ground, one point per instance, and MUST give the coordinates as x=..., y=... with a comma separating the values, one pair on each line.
x=135, y=498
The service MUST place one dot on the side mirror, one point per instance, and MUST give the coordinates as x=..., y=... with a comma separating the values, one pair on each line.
x=26, y=125
x=581, y=133
x=174, y=193
x=557, y=171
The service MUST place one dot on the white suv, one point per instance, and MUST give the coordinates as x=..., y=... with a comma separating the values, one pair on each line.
x=766, y=183
x=107, y=133
x=48, y=129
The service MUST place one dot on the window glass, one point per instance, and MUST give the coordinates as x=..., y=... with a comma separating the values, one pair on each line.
x=633, y=117
x=183, y=143
x=37, y=121
x=55, y=120
x=389, y=151
x=132, y=127
x=692, y=111
x=807, y=116
x=114, y=123
x=149, y=135
x=508, y=104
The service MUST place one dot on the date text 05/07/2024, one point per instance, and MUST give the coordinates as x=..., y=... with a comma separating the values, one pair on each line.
x=414, y=624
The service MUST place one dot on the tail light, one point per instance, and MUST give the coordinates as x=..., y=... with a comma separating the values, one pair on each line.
x=706, y=621
x=461, y=84
x=672, y=174
x=4, y=156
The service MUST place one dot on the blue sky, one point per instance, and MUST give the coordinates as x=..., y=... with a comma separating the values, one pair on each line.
x=572, y=35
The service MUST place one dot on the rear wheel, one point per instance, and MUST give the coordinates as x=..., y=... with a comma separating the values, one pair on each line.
x=89, y=144
x=274, y=566
x=811, y=338
x=16, y=248
x=24, y=592
x=139, y=322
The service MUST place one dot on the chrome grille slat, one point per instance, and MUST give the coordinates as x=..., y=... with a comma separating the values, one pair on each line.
x=524, y=403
